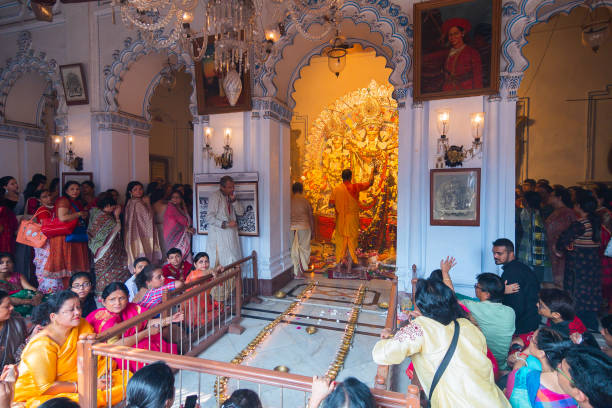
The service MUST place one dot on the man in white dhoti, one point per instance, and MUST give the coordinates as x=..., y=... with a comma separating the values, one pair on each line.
x=223, y=244
x=302, y=225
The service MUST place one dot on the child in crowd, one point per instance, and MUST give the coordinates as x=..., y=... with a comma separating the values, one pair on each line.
x=80, y=283
x=606, y=332
x=201, y=269
x=176, y=268
x=23, y=295
x=139, y=264
x=151, y=285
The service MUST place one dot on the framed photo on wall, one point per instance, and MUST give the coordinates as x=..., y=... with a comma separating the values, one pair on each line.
x=246, y=191
x=456, y=48
x=78, y=176
x=209, y=86
x=75, y=86
x=454, y=197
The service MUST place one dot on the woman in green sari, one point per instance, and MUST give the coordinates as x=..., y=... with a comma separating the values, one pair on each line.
x=23, y=296
x=105, y=243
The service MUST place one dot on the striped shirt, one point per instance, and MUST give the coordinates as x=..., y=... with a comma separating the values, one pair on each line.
x=153, y=297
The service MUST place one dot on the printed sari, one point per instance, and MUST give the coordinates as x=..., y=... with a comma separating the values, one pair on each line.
x=106, y=245
x=525, y=390
x=140, y=234
x=13, y=287
x=103, y=320
x=43, y=362
x=201, y=310
x=45, y=285
x=12, y=339
x=176, y=235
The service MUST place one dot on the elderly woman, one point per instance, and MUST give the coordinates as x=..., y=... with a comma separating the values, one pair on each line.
x=66, y=258
x=118, y=309
x=105, y=243
x=177, y=226
x=468, y=378
x=13, y=332
x=48, y=362
x=141, y=238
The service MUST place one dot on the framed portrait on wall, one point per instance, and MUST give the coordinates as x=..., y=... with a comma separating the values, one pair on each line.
x=75, y=86
x=78, y=176
x=209, y=86
x=456, y=48
x=454, y=197
x=246, y=192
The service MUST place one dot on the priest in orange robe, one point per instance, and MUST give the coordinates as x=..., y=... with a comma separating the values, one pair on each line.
x=345, y=200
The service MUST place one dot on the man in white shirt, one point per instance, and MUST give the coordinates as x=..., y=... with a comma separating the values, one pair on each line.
x=302, y=225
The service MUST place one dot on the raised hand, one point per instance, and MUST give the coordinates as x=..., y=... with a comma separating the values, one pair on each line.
x=447, y=264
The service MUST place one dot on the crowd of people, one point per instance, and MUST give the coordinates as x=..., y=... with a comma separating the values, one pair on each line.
x=526, y=338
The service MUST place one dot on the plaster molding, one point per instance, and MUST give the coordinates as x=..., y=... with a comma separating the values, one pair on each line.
x=518, y=16
x=122, y=60
x=381, y=16
x=121, y=122
x=25, y=61
x=14, y=131
x=509, y=84
x=271, y=108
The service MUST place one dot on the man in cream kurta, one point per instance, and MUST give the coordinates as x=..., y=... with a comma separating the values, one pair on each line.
x=302, y=225
x=223, y=244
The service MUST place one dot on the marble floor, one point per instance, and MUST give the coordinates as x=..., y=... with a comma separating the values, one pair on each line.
x=290, y=345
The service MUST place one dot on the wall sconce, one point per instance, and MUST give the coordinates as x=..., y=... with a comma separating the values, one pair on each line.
x=70, y=158
x=224, y=160
x=452, y=155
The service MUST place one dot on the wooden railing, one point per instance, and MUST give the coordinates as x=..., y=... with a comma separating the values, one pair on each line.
x=382, y=379
x=89, y=351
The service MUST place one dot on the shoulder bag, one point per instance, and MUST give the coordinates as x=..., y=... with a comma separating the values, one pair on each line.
x=30, y=232
x=447, y=358
x=79, y=234
x=55, y=227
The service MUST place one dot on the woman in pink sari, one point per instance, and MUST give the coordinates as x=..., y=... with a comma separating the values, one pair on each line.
x=177, y=225
x=140, y=235
x=117, y=309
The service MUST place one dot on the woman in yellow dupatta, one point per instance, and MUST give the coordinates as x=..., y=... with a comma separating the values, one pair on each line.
x=48, y=367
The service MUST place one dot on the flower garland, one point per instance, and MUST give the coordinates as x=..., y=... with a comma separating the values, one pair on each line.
x=347, y=338
x=220, y=387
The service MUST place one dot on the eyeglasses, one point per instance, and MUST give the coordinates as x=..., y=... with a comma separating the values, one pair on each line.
x=81, y=286
x=477, y=286
x=560, y=371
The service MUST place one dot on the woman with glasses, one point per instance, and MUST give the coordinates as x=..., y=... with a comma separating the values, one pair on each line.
x=80, y=283
x=533, y=382
x=49, y=360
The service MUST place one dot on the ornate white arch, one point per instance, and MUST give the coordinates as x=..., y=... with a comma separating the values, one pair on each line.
x=24, y=61
x=519, y=16
x=122, y=60
x=381, y=16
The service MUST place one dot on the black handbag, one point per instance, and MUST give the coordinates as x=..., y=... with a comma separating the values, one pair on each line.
x=442, y=367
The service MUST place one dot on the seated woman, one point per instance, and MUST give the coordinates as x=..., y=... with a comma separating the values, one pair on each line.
x=528, y=385
x=118, y=309
x=203, y=309
x=151, y=387
x=48, y=362
x=106, y=243
x=80, y=283
x=426, y=340
x=23, y=295
x=13, y=332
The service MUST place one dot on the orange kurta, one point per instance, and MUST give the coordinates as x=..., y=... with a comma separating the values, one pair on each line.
x=345, y=198
x=44, y=362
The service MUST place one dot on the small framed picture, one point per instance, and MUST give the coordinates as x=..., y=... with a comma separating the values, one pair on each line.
x=456, y=48
x=78, y=176
x=454, y=196
x=75, y=86
x=246, y=193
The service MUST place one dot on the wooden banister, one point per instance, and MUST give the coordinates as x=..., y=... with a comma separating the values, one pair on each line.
x=384, y=398
x=87, y=371
x=381, y=381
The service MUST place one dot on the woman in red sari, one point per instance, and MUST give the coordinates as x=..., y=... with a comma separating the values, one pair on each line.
x=66, y=258
x=43, y=214
x=118, y=309
x=177, y=226
x=557, y=222
x=463, y=67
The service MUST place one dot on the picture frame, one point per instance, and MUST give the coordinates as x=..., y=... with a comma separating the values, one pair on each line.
x=78, y=176
x=456, y=48
x=159, y=168
x=454, y=197
x=246, y=191
x=209, y=86
x=74, y=83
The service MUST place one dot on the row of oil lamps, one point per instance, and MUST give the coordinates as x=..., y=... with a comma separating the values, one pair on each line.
x=347, y=338
x=220, y=387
